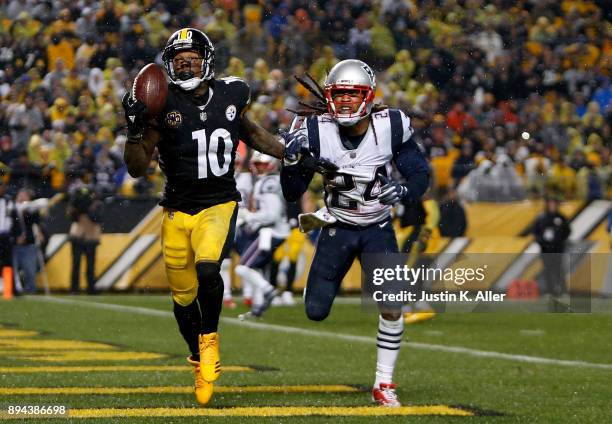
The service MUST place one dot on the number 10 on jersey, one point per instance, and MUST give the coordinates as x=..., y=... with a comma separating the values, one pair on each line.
x=208, y=152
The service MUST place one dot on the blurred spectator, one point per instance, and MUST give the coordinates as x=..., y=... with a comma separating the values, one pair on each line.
x=103, y=51
x=464, y=163
x=551, y=231
x=139, y=54
x=7, y=152
x=104, y=170
x=562, y=178
x=453, y=220
x=64, y=25
x=492, y=182
x=277, y=21
x=107, y=21
x=323, y=64
x=25, y=215
x=459, y=120
x=59, y=111
x=360, y=39
x=382, y=42
x=401, y=71
x=220, y=27
x=23, y=173
x=24, y=27
x=537, y=167
x=23, y=120
x=221, y=40
x=603, y=95
x=60, y=48
x=85, y=28
x=235, y=68
x=440, y=68
x=592, y=119
x=85, y=232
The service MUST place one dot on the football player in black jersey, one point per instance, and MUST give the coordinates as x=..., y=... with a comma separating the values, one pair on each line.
x=196, y=135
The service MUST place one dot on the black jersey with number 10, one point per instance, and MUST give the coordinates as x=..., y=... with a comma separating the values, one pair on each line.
x=198, y=145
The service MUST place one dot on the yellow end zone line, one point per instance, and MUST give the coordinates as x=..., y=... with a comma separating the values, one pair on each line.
x=265, y=411
x=339, y=388
x=113, y=368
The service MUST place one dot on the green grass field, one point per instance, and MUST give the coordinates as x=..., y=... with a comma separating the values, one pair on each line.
x=125, y=352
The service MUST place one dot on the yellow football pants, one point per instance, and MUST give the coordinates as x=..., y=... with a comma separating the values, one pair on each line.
x=291, y=247
x=189, y=239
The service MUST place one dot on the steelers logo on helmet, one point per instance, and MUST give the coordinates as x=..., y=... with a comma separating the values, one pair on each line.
x=349, y=80
x=189, y=40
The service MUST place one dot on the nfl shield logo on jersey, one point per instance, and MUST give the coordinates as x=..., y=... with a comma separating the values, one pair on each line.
x=203, y=115
x=331, y=232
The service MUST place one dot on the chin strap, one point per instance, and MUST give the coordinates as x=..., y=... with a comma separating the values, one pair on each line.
x=190, y=84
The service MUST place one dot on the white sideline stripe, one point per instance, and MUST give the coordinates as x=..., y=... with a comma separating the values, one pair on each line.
x=108, y=306
x=126, y=260
x=584, y=223
x=129, y=256
x=518, y=266
x=329, y=334
x=55, y=242
x=450, y=253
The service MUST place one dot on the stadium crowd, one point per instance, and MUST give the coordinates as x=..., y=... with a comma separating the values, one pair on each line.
x=509, y=98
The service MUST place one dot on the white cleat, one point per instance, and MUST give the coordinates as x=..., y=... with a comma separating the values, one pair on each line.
x=248, y=316
x=287, y=298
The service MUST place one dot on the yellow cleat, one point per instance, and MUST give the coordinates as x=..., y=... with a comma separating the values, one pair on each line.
x=203, y=389
x=210, y=365
x=414, y=317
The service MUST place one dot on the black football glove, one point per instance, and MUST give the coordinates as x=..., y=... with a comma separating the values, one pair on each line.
x=295, y=142
x=320, y=165
x=391, y=192
x=135, y=112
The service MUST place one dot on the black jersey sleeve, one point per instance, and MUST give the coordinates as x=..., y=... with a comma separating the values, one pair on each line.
x=240, y=91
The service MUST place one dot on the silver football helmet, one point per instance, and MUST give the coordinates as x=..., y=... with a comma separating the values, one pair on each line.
x=350, y=74
x=261, y=163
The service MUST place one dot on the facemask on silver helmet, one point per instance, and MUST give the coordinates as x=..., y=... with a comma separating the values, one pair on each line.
x=347, y=76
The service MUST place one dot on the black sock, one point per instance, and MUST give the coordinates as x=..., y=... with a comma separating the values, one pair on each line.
x=291, y=276
x=273, y=273
x=189, y=321
x=210, y=295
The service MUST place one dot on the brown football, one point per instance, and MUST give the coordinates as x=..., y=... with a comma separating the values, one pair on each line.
x=151, y=88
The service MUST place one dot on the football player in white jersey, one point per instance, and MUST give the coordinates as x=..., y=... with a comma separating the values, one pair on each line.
x=244, y=184
x=362, y=140
x=268, y=222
